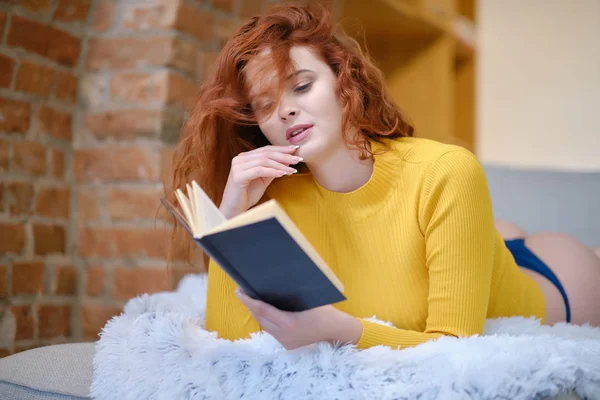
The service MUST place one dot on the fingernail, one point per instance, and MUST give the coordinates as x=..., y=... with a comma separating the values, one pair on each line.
x=295, y=146
x=238, y=292
x=293, y=171
x=300, y=159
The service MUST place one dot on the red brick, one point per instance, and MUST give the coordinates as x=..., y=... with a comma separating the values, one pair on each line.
x=94, y=90
x=196, y=22
x=3, y=281
x=88, y=205
x=44, y=40
x=225, y=5
x=57, y=124
x=178, y=273
x=95, y=281
x=2, y=22
x=125, y=124
x=251, y=7
x=122, y=241
x=166, y=163
x=128, y=283
x=27, y=277
x=103, y=17
x=131, y=52
x=115, y=164
x=184, y=55
x=58, y=163
x=25, y=321
x=138, y=87
x=54, y=320
x=18, y=197
x=64, y=280
x=12, y=238
x=66, y=87
x=72, y=10
x=14, y=116
x=170, y=14
x=49, y=239
x=116, y=53
x=225, y=30
x=209, y=60
x=42, y=6
x=7, y=66
x=30, y=157
x=166, y=14
x=181, y=91
x=94, y=318
x=53, y=202
x=34, y=78
x=128, y=204
x=151, y=15
x=4, y=155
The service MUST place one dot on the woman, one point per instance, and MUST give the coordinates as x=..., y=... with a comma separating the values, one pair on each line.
x=298, y=113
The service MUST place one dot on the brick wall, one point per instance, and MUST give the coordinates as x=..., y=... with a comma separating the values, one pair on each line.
x=40, y=60
x=92, y=97
x=143, y=63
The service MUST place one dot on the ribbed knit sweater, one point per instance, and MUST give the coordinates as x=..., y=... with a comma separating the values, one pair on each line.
x=416, y=246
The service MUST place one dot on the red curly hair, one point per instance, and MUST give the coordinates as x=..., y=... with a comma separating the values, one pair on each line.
x=222, y=123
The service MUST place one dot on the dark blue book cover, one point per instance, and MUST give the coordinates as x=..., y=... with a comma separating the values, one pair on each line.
x=269, y=262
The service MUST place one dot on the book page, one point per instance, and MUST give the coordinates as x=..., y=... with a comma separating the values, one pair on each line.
x=186, y=207
x=207, y=215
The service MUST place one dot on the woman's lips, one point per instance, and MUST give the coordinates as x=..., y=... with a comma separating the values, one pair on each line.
x=301, y=136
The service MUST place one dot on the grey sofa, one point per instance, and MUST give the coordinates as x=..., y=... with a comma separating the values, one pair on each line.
x=536, y=200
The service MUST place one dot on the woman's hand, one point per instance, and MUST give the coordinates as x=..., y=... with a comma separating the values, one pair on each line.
x=297, y=329
x=251, y=172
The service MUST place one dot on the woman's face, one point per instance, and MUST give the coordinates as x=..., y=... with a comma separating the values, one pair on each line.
x=308, y=112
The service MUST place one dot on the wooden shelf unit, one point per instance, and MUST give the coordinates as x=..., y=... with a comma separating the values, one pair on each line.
x=427, y=50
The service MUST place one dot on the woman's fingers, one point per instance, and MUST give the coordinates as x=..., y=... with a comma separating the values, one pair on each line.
x=284, y=149
x=272, y=154
x=265, y=313
x=252, y=173
x=266, y=162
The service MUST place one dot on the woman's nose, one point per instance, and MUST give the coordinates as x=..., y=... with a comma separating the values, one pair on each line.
x=287, y=110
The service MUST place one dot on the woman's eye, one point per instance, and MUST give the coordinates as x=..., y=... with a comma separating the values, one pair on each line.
x=303, y=88
x=263, y=105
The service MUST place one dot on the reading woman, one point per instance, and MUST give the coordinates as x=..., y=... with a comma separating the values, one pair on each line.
x=298, y=113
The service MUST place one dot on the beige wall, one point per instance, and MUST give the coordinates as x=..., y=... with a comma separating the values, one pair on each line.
x=539, y=83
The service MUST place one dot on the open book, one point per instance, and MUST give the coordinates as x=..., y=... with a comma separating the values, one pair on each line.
x=262, y=250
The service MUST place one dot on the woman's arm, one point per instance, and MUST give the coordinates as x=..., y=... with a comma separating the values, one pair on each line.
x=457, y=222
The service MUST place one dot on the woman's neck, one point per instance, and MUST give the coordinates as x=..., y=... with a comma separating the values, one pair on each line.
x=342, y=171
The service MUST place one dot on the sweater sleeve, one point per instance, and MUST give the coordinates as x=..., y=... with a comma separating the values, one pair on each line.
x=456, y=220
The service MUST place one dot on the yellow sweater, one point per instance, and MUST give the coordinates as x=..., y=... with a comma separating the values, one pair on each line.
x=415, y=246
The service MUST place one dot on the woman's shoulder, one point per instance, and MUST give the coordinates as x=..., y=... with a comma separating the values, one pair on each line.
x=419, y=150
x=430, y=163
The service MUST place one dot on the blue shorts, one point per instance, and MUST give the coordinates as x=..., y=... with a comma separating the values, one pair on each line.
x=526, y=259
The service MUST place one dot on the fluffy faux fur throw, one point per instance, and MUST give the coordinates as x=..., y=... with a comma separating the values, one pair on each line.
x=157, y=349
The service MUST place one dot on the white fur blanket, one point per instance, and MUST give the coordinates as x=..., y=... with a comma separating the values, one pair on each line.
x=157, y=349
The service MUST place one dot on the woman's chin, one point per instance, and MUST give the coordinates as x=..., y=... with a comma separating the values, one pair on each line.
x=306, y=151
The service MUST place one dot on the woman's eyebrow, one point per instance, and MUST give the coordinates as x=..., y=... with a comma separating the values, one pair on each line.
x=300, y=71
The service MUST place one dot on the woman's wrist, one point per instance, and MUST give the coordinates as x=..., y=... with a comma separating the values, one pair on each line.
x=228, y=212
x=346, y=330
